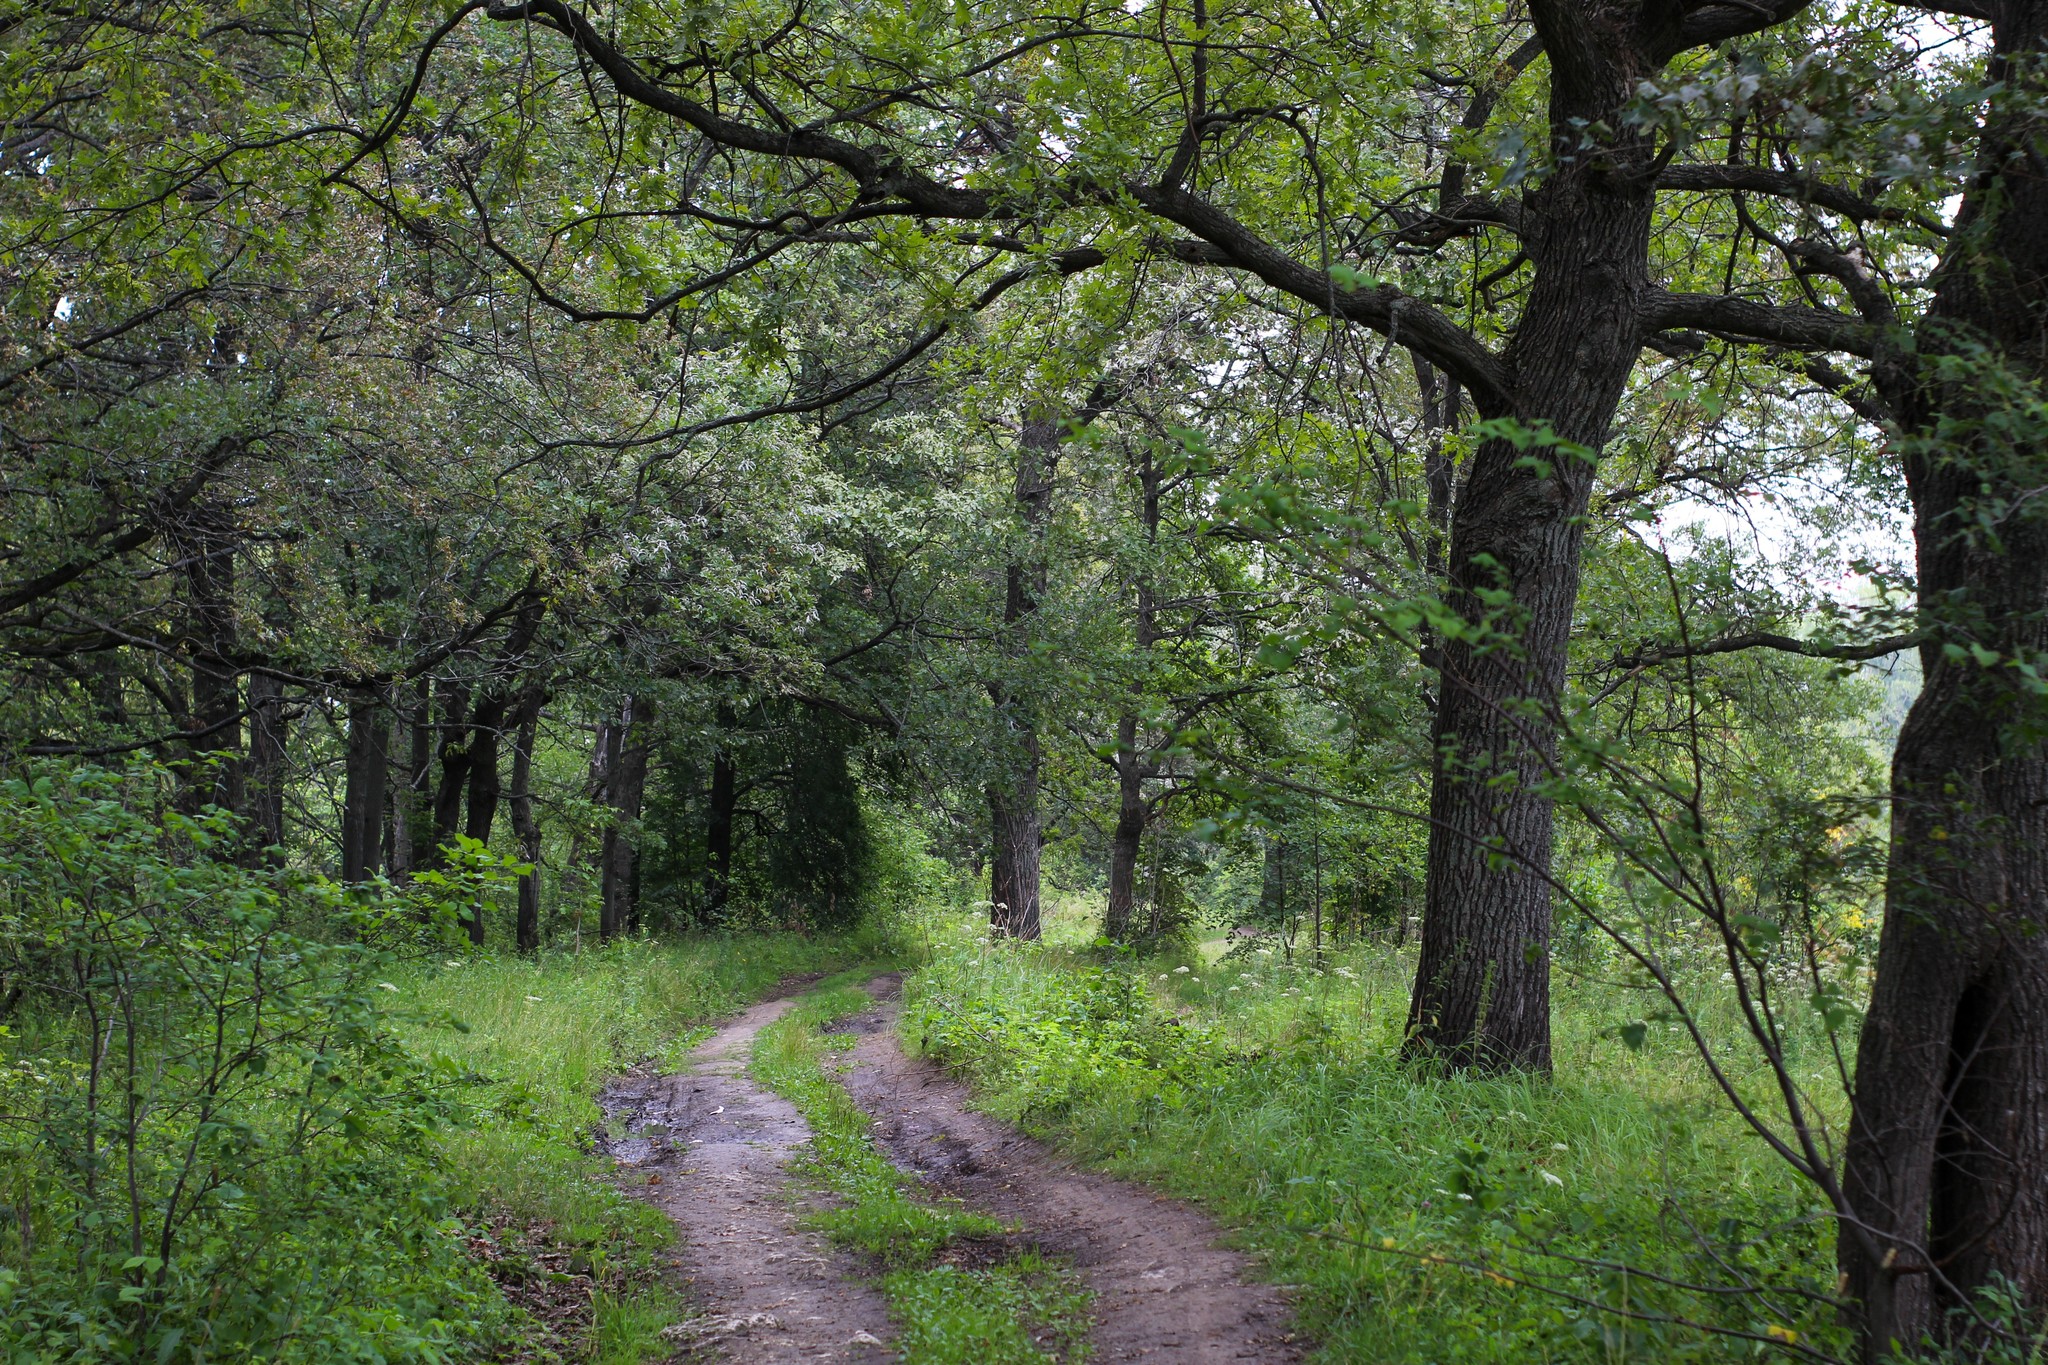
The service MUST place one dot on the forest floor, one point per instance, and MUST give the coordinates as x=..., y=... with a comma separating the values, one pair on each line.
x=1096, y=1267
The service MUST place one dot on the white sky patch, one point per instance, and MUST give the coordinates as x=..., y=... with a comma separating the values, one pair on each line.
x=1770, y=531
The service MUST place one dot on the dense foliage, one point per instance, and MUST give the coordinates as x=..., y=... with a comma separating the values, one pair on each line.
x=1431, y=484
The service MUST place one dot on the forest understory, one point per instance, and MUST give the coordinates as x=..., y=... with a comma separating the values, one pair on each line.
x=841, y=1170
x=967, y=681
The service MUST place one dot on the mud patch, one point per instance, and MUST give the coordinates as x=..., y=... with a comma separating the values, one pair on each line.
x=710, y=1149
x=1164, y=1291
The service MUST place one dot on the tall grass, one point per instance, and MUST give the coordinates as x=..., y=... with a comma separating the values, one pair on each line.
x=1403, y=1203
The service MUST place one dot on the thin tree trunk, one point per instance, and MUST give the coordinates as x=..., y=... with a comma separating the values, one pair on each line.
x=410, y=817
x=1126, y=841
x=1132, y=813
x=627, y=765
x=486, y=786
x=1318, y=833
x=1013, y=795
x=365, y=783
x=718, y=831
x=524, y=825
x=611, y=760
x=208, y=549
x=1946, y=1176
x=266, y=777
x=452, y=753
x=1441, y=401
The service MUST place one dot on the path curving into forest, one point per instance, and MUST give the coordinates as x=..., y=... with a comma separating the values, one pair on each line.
x=711, y=1149
x=1164, y=1289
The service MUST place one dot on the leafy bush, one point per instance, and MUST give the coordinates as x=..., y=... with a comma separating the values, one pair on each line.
x=214, y=1144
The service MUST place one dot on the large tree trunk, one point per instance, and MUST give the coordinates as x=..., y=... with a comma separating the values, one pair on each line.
x=366, y=776
x=627, y=765
x=1482, y=986
x=486, y=786
x=1013, y=854
x=1946, y=1177
x=524, y=826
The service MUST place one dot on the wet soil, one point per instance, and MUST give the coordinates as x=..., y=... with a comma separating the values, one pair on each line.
x=1165, y=1291
x=709, y=1148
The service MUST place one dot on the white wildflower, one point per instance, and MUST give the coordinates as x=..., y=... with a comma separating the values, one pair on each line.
x=1180, y=971
x=386, y=986
x=1559, y=1147
x=533, y=1000
x=1552, y=1179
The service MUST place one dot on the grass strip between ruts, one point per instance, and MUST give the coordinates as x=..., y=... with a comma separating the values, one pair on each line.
x=1021, y=1311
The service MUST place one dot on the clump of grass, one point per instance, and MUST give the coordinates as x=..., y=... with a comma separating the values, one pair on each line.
x=875, y=1211
x=1007, y=1314
x=538, y=1037
x=1021, y=1311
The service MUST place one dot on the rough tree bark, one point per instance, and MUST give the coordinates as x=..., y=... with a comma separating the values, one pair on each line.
x=1946, y=1175
x=626, y=767
x=366, y=778
x=1482, y=985
x=524, y=826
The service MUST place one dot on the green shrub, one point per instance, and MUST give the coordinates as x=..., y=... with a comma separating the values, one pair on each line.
x=215, y=1146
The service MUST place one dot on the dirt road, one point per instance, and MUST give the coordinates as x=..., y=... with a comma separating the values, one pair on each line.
x=1164, y=1290
x=716, y=1147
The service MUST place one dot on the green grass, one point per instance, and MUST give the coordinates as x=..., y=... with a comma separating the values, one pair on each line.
x=1002, y=1315
x=546, y=1033
x=1397, y=1201
x=1021, y=1311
